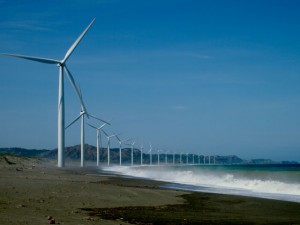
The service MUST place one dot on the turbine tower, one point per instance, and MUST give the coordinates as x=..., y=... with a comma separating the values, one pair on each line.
x=157, y=157
x=98, y=132
x=166, y=158
x=120, y=148
x=81, y=116
x=108, y=146
x=150, y=151
x=61, y=99
x=132, y=146
x=142, y=146
x=173, y=158
x=180, y=158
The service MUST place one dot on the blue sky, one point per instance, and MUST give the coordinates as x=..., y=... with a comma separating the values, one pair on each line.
x=215, y=77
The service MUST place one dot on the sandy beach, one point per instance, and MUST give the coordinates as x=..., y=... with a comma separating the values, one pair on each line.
x=33, y=191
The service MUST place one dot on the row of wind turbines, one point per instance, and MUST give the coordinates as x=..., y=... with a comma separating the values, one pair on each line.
x=64, y=71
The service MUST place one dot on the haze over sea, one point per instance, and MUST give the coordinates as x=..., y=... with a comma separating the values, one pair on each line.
x=281, y=182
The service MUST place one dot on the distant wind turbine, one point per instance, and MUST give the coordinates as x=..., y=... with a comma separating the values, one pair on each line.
x=120, y=147
x=108, y=145
x=166, y=157
x=132, y=148
x=157, y=157
x=98, y=130
x=81, y=116
x=187, y=158
x=61, y=102
x=150, y=151
x=180, y=159
x=142, y=146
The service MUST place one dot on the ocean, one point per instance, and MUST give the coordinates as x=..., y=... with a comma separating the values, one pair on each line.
x=281, y=182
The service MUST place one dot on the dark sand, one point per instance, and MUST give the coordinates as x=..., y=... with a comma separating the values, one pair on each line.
x=31, y=190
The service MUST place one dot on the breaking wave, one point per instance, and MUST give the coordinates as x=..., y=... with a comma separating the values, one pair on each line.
x=281, y=185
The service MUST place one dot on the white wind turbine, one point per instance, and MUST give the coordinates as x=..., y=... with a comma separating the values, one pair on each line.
x=81, y=116
x=98, y=132
x=61, y=102
x=187, y=158
x=120, y=147
x=132, y=147
x=166, y=157
x=157, y=157
x=180, y=158
x=108, y=146
x=150, y=151
x=142, y=147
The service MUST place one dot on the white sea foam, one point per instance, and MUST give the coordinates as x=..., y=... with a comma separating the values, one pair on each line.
x=226, y=182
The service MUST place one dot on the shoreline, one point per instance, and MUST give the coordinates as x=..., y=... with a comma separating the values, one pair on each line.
x=31, y=190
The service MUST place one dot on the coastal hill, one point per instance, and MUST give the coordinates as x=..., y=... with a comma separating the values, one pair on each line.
x=73, y=152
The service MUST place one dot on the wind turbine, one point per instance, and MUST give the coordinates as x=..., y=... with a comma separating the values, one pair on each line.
x=187, y=158
x=166, y=158
x=120, y=147
x=150, y=151
x=98, y=129
x=83, y=113
x=173, y=158
x=132, y=146
x=157, y=157
x=61, y=100
x=180, y=158
x=193, y=158
x=108, y=146
x=142, y=146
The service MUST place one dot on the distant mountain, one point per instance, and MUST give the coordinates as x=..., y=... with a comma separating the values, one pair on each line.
x=23, y=152
x=73, y=152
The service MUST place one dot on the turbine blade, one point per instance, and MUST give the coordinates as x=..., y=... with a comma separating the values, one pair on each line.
x=76, y=89
x=105, y=133
x=33, y=58
x=118, y=139
x=83, y=106
x=102, y=126
x=98, y=119
x=92, y=126
x=72, y=48
x=77, y=118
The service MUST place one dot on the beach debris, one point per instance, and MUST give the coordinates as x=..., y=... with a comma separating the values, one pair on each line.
x=52, y=221
x=49, y=218
x=20, y=206
x=7, y=161
x=19, y=169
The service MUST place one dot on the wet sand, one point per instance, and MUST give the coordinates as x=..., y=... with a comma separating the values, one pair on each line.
x=32, y=190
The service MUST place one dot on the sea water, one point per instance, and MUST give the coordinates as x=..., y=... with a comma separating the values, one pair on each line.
x=281, y=182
